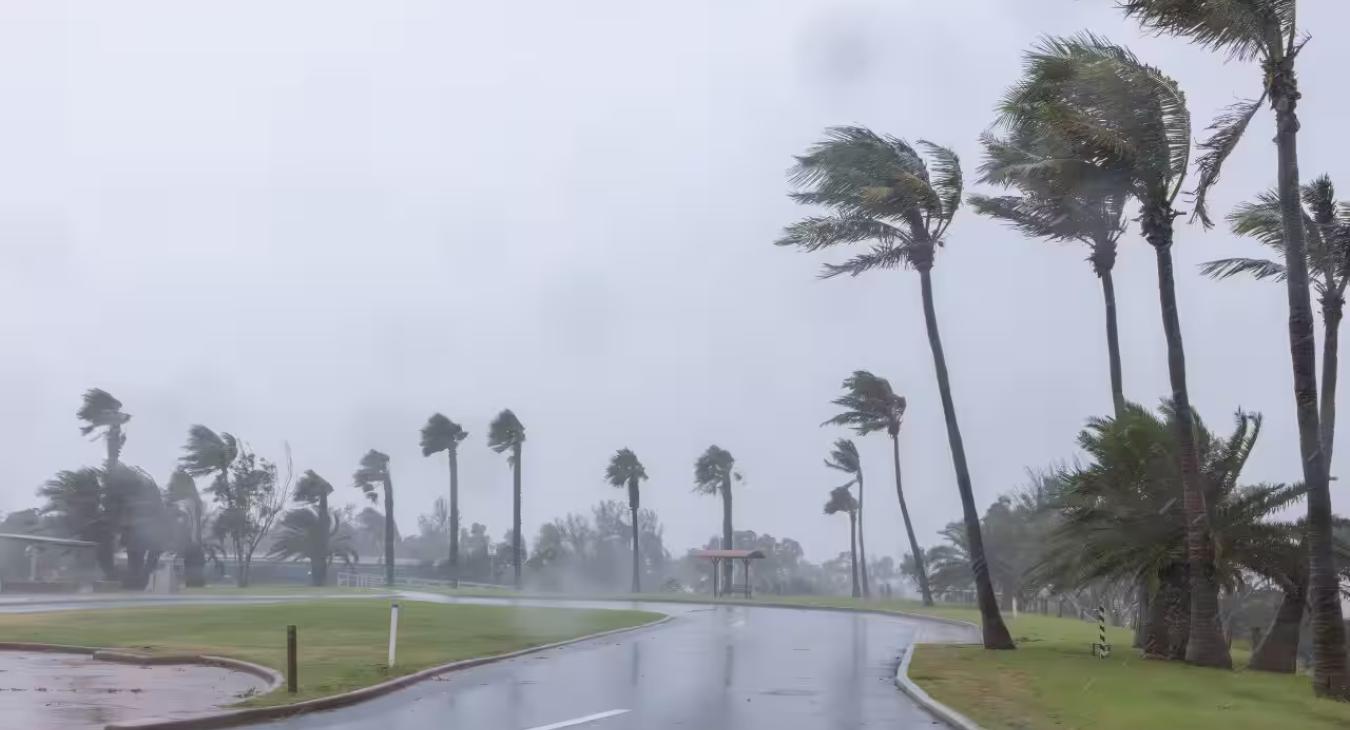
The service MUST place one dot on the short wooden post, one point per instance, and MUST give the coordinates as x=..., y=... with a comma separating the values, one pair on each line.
x=292, y=676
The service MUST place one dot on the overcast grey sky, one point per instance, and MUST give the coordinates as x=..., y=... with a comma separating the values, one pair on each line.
x=321, y=221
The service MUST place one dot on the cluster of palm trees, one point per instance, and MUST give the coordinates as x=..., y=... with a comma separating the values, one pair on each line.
x=1087, y=132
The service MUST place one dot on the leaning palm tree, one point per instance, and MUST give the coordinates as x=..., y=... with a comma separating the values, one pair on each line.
x=625, y=470
x=313, y=490
x=871, y=405
x=1130, y=119
x=1060, y=199
x=844, y=457
x=370, y=476
x=880, y=189
x=74, y=501
x=1267, y=30
x=100, y=410
x=713, y=473
x=841, y=500
x=310, y=534
x=1326, y=224
x=442, y=434
x=508, y=434
x=183, y=494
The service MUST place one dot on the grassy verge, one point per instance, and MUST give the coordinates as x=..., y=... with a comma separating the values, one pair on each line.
x=342, y=643
x=276, y=589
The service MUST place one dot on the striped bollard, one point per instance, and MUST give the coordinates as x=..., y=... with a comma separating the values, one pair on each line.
x=1101, y=648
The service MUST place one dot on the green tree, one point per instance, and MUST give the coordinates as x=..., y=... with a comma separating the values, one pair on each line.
x=841, y=500
x=844, y=457
x=442, y=434
x=314, y=533
x=1267, y=30
x=871, y=405
x=507, y=434
x=713, y=473
x=135, y=509
x=1130, y=119
x=880, y=189
x=370, y=477
x=99, y=410
x=625, y=470
x=74, y=501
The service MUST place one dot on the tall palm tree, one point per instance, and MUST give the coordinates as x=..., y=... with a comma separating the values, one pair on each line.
x=207, y=452
x=871, y=405
x=371, y=475
x=841, y=500
x=625, y=470
x=1130, y=119
x=1267, y=30
x=880, y=189
x=100, y=410
x=1060, y=199
x=844, y=457
x=713, y=473
x=442, y=434
x=1326, y=224
x=313, y=490
x=508, y=434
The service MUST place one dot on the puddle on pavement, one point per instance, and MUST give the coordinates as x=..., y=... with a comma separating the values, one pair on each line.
x=72, y=691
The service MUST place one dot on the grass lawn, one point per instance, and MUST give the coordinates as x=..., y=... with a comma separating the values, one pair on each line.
x=275, y=589
x=343, y=643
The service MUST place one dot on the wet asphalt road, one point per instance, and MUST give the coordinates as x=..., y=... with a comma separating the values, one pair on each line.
x=711, y=668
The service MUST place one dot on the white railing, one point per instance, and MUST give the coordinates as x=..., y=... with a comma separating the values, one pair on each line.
x=373, y=580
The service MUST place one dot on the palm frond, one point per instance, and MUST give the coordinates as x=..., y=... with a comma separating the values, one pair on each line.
x=841, y=500
x=881, y=256
x=506, y=433
x=1257, y=268
x=844, y=457
x=1242, y=28
x=944, y=170
x=817, y=232
x=206, y=451
x=715, y=468
x=1225, y=133
x=441, y=434
x=98, y=409
x=624, y=468
x=371, y=474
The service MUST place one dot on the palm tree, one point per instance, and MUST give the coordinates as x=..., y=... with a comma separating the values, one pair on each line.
x=508, y=434
x=101, y=410
x=844, y=457
x=625, y=470
x=841, y=500
x=871, y=405
x=75, y=500
x=372, y=474
x=713, y=472
x=1267, y=30
x=313, y=490
x=881, y=190
x=1060, y=199
x=1130, y=119
x=442, y=434
x=135, y=510
x=207, y=452
x=1327, y=229
x=313, y=535
x=182, y=493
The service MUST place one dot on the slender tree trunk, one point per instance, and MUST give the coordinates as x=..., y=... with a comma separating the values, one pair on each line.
x=388, y=530
x=319, y=567
x=1113, y=342
x=454, y=516
x=515, y=517
x=996, y=634
x=726, y=533
x=862, y=547
x=1206, y=645
x=1155, y=632
x=914, y=548
x=241, y=568
x=1324, y=599
x=853, y=551
x=1278, y=651
x=1331, y=337
x=637, y=558
x=1141, y=612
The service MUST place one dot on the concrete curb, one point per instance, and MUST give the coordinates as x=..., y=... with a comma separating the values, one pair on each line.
x=924, y=700
x=258, y=714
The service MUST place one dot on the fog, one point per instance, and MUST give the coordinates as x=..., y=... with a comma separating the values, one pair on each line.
x=320, y=222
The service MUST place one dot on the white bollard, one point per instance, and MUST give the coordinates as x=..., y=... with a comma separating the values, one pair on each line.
x=393, y=632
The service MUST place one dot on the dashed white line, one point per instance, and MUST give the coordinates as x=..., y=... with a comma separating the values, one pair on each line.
x=579, y=720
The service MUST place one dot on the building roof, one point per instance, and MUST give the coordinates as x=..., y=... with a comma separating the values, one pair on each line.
x=723, y=554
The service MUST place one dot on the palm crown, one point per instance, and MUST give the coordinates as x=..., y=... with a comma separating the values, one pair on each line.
x=845, y=458
x=506, y=432
x=371, y=474
x=714, y=467
x=441, y=434
x=207, y=452
x=311, y=487
x=624, y=468
x=879, y=189
x=869, y=405
x=100, y=410
x=841, y=500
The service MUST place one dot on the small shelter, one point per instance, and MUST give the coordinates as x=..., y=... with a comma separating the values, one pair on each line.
x=717, y=556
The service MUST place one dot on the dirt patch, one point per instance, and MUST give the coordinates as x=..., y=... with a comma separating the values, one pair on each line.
x=58, y=691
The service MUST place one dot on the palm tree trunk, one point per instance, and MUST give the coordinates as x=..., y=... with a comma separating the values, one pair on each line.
x=862, y=547
x=388, y=531
x=1141, y=612
x=319, y=567
x=113, y=443
x=454, y=517
x=1324, y=599
x=853, y=551
x=1206, y=645
x=1113, y=343
x=995, y=632
x=1155, y=631
x=1331, y=336
x=1278, y=651
x=914, y=548
x=637, y=558
x=726, y=533
x=515, y=516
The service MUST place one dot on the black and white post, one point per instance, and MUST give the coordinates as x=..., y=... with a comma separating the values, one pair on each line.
x=1101, y=648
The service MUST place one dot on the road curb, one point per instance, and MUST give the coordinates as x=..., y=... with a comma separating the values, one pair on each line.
x=924, y=700
x=232, y=718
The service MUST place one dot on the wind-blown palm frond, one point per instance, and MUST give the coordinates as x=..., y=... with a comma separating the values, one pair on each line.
x=714, y=467
x=371, y=475
x=207, y=452
x=99, y=409
x=441, y=434
x=311, y=487
x=841, y=500
x=1243, y=28
x=844, y=457
x=506, y=433
x=1225, y=133
x=946, y=181
x=302, y=535
x=624, y=468
x=869, y=405
x=1257, y=268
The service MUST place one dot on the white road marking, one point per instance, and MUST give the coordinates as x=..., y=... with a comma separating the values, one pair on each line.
x=580, y=720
